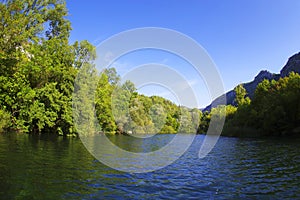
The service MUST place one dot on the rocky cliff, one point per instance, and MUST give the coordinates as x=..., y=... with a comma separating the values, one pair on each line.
x=293, y=65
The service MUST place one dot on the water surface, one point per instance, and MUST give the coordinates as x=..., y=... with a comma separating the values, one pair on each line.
x=41, y=167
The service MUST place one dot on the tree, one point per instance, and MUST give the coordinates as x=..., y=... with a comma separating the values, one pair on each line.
x=186, y=124
x=140, y=119
x=121, y=99
x=113, y=77
x=274, y=109
x=4, y=120
x=103, y=105
x=240, y=95
x=158, y=117
x=38, y=66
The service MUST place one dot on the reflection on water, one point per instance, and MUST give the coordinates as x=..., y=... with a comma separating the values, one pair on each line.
x=152, y=142
x=134, y=155
x=33, y=167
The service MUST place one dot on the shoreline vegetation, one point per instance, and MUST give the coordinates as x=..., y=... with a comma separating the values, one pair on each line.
x=273, y=111
x=39, y=67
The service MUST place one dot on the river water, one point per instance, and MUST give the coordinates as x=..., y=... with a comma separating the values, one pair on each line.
x=43, y=167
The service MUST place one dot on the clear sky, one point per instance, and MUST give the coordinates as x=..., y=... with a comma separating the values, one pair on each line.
x=241, y=36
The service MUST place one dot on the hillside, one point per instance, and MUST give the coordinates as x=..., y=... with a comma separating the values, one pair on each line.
x=293, y=64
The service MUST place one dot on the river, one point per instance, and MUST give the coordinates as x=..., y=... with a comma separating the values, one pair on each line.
x=44, y=167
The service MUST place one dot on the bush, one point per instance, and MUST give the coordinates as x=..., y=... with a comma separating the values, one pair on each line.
x=4, y=120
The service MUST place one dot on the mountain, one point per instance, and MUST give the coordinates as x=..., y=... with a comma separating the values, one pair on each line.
x=293, y=65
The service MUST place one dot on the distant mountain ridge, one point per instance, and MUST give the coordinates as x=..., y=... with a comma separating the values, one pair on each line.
x=293, y=65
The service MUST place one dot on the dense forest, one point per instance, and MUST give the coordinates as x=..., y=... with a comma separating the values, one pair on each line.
x=37, y=80
x=38, y=71
x=274, y=110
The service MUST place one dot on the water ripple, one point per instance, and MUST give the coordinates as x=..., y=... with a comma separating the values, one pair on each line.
x=43, y=168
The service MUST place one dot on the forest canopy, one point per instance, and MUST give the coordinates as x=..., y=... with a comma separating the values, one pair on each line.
x=38, y=70
x=273, y=111
x=39, y=67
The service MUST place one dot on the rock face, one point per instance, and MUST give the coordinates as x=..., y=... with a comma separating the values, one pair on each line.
x=264, y=74
x=293, y=64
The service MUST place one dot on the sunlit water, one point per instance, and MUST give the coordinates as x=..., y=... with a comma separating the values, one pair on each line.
x=33, y=167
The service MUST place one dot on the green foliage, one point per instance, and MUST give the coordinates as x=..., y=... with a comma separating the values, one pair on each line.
x=279, y=106
x=121, y=98
x=240, y=96
x=186, y=123
x=103, y=105
x=204, y=122
x=274, y=109
x=37, y=77
x=139, y=114
x=158, y=117
x=83, y=100
x=219, y=114
x=4, y=120
x=38, y=65
x=113, y=77
x=168, y=129
x=171, y=118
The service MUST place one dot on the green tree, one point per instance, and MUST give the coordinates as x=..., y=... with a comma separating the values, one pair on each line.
x=113, y=77
x=121, y=99
x=186, y=123
x=274, y=109
x=140, y=119
x=158, y=117
x=4, y=120
x=240, y=95
x=38, y=66
x=103, y=105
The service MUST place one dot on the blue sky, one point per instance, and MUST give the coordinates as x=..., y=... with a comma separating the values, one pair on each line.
x=241, y=36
